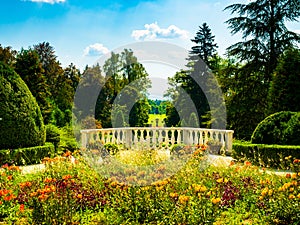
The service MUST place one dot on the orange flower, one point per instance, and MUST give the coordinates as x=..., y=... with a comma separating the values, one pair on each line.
x=288, y=175
x=183, y=199
x=231, y=163
x=9, y=197
x=216, y=200
x=10, y=177
x=296, y=161
x=43, y=197
x=66, y=177
x=67, y=154
x=79, y=196
x=22, y=206
x=292, y=197
x=247, y=163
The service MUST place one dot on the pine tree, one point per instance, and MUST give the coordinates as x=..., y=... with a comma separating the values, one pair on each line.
x=205, y=47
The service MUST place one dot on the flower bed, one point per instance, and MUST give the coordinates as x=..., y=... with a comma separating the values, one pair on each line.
x=69, y=192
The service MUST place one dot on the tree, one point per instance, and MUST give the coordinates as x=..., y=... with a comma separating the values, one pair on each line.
x=262, y=23
x=205, y=47
x=21, y=119
x=7, y=55
x=172, y=117
x=123, y=73
x=139, y=114
x=284, y=94
x=29, y=67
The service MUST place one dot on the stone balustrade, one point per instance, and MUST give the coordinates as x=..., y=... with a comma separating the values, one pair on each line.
x=149, y=137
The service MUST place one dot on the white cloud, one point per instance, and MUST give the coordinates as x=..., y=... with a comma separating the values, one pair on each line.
x=48, y=1
x=153, y=32
x=96, y=49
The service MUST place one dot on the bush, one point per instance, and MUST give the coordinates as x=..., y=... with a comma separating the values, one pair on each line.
x=274, y=129
x=21, y=119
x=26, y=156
x=275, y=156
x=52, y=135
x=111, y=148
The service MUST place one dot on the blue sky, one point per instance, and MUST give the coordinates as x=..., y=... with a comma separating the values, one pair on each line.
x=82, y=30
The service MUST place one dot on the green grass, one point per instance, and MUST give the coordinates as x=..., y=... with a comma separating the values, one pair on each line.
x=153, y=117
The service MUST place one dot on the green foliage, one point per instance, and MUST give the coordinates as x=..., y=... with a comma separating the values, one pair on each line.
x=193, y=120
x=52, y=135
x=205, y=47
x=21, y=120
x=119, y=120
x=30, y=69
x=266, y=39
x=139, y=114
x=275, y=129
x=111, y=148
x=120, y=70
x=172, y=118
x=157, y=106
x=274, y=156
x=7, y=55
x=68, y=141
x=284, y=93
x=26, y=156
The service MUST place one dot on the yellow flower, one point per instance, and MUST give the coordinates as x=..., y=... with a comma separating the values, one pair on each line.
x=173, y=195
x=208, y=193
x=270, y=192
x=199, y=188
x=292, y=197
x=294, y=175
x=298, y=196
x=261, y=198
x=292, y=189
x=183, y=199
x=220, y=180
x=215, y=200
x=265, y=191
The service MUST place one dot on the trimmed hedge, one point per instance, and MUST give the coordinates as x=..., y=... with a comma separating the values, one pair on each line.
x=21, y=119
x=274, y=156
x=275, y=129
x=26, y=156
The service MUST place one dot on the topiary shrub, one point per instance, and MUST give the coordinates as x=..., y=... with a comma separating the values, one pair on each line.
x=292, y=131
x=21, y=119
x=53, y=135
x=273, y=129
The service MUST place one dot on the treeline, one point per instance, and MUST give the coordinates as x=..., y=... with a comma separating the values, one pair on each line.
x=259, y=76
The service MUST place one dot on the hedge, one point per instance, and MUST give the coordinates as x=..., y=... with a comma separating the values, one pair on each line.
x=26, y=156
x=274, y=156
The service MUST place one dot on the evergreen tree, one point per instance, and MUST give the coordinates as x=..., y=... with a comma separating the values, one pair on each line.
x=262, y=24
x=284, y=94
x=205, y=47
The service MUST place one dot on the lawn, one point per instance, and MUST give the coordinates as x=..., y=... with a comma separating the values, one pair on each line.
x=153, y=117
x=72, y=192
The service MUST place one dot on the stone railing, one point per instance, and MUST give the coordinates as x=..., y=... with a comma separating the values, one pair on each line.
x=149, y=137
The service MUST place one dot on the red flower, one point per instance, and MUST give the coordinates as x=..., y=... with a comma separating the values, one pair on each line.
x=296, y=161
x=22, y=206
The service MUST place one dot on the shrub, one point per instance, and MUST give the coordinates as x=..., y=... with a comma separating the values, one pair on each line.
x=26, y=156
x=111, y=148
x=52, y=135
x=21, y=119
x=275, y=156
x=292, y=132
x=273, y=129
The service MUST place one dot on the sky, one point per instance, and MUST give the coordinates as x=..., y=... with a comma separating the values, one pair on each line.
x=82, y=30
